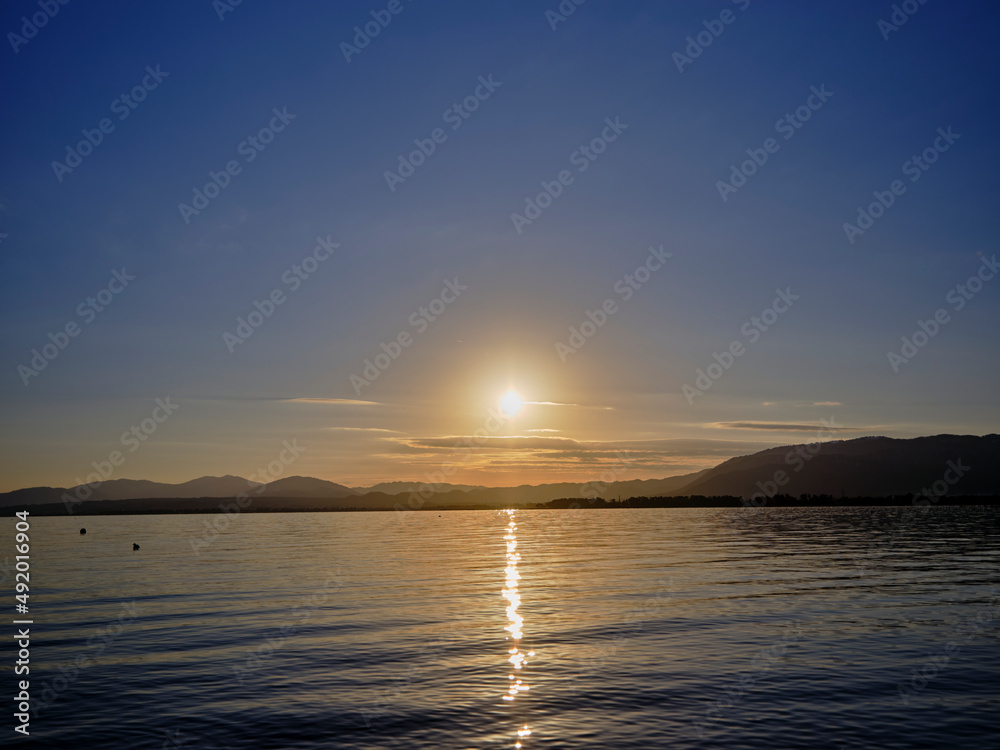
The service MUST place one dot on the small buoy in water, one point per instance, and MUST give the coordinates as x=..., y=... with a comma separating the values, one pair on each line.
x=83, y=531
x=135, y=546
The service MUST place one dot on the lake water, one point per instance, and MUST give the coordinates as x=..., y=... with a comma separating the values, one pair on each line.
x=657, y=628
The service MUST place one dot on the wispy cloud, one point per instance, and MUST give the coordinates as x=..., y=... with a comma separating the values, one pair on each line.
x=515, y=442
x=800, y=404
x=566, y=452
x=779, y=427
x=558, y=403
x=362, y=429
x=527, y=458
x=332, y=401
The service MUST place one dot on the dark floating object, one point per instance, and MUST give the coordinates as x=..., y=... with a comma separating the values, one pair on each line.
x=135, y=546
x=83, y=531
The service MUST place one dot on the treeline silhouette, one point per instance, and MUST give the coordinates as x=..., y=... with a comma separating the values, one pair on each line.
x=777, y=501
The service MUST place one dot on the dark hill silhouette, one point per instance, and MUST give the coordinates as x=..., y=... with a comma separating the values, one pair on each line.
x=863, y=467
x=128, y=489
x=405, y=488
x=138, y=489
x=306, y=487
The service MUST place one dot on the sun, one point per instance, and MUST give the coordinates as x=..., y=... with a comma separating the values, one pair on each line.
x=510, y=403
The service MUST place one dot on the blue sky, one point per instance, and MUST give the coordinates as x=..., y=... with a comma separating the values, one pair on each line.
x=656, y=184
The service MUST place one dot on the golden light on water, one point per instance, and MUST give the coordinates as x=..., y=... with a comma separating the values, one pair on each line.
x=515, y=622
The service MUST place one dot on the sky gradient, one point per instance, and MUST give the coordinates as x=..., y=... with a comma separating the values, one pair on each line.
x=361, y=250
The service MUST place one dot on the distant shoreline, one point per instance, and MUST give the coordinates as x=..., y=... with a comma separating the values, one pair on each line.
x=217, y=505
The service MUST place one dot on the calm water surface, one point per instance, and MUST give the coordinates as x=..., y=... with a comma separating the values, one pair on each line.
x=659, y=628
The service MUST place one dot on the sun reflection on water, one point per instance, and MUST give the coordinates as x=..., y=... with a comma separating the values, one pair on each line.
x=517, y=658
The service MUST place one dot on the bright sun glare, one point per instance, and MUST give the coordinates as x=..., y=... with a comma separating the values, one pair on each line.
x=510, y=403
